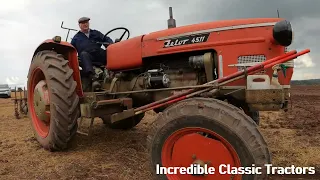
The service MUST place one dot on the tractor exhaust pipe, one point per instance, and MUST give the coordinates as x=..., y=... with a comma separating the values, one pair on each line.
x=171, y=21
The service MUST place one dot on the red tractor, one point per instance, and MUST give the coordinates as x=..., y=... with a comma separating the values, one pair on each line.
x=207, y=82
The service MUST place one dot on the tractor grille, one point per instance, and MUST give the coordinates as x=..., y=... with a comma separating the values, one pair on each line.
x=250, y=59
x=259, y=58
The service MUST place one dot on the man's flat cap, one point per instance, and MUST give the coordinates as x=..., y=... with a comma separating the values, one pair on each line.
x=83, y=19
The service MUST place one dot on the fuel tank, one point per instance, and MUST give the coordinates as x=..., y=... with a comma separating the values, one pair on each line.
x=125, y=55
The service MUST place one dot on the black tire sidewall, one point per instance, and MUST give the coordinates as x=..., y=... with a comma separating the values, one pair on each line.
x=39, y=63
x=48, y=142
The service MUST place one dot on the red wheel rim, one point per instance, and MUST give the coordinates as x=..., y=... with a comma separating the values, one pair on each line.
x=186, y=146
x=41, y=127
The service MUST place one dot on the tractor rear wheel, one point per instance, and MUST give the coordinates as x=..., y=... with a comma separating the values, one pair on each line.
x=52, y=100
x=206, y=131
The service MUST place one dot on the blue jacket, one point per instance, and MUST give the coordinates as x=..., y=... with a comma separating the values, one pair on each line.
x=81, y=42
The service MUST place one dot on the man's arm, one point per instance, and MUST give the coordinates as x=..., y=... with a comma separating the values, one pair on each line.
x=73, y=42
x=106, y=39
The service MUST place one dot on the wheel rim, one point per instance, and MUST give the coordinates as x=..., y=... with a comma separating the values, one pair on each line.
x=178, y=151
x=39, y=103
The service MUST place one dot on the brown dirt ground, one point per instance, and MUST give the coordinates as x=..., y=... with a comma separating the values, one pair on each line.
x=293, y=137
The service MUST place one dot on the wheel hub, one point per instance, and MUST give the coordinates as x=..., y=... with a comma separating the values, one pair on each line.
x=199, y=162
x=207, y=149
x=41, y=102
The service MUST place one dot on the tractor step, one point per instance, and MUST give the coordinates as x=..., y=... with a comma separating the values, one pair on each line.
x=81, y=126
x=90, y=110
x=95, y=108
x=122, y=115
x=123, y=101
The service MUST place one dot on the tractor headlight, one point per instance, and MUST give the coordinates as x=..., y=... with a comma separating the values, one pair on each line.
x=57, y=39
x=282, y=33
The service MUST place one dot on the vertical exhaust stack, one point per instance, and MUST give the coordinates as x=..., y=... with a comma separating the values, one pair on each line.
x=171, y=21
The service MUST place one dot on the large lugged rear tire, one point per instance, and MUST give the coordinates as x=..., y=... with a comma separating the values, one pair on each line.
x=52, y=100
x=206, y=131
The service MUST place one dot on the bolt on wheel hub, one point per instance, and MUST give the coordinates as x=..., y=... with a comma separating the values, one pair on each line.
x=201, y=164
x=41, y=102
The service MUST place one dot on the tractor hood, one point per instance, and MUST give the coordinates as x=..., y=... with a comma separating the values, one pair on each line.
x=194, y=37
x=210, y=27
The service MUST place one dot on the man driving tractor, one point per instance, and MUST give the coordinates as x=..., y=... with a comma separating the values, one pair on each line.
x=88, y=44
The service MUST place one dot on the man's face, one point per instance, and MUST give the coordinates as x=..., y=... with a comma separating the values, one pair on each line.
x=84, y=26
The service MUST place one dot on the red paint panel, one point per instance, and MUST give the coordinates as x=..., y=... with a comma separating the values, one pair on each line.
x=125, y=54
x=178, y=151
x=70, y=53
x=152, y=45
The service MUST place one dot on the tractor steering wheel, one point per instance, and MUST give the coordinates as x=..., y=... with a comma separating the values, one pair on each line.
x=125, y=30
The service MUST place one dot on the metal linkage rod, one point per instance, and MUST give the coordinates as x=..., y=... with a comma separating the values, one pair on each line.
x=216, y=83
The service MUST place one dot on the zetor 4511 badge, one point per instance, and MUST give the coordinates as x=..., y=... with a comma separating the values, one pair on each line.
x=184, y=40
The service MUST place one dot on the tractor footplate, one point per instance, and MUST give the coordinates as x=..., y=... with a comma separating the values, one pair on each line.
x=92, y=109
x=123, y=102
x=122, y=115
x=103, y=107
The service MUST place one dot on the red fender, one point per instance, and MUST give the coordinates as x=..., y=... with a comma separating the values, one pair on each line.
x=70, y=53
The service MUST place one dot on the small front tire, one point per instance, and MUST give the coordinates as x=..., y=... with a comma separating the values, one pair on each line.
x=206, y=131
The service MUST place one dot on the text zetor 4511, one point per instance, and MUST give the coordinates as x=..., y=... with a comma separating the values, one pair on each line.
x=207, y=82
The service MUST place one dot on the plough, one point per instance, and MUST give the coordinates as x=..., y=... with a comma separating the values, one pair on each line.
x=20, y=103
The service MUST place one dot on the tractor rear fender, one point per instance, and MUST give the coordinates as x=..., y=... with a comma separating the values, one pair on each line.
x=70, y=53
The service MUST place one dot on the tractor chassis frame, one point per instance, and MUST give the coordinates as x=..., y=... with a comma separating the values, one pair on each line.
x=97, y=104
x=101, y=104
x=118, y=107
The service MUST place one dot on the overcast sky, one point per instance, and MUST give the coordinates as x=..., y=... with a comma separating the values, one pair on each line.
x=24, y=24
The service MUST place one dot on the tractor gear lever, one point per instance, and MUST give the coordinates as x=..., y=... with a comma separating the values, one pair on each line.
x=275, y=80
x=103, y=43
x=278, y=67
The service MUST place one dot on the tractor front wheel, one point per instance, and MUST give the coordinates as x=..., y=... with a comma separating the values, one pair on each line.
x=207, y=132
x=52, y=100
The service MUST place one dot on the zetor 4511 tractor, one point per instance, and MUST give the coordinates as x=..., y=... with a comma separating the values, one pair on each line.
x=207, y=82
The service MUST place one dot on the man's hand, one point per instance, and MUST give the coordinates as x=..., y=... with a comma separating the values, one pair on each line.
x=106, y=44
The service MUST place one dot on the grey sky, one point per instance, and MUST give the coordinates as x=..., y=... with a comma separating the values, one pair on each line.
x=26, y=23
